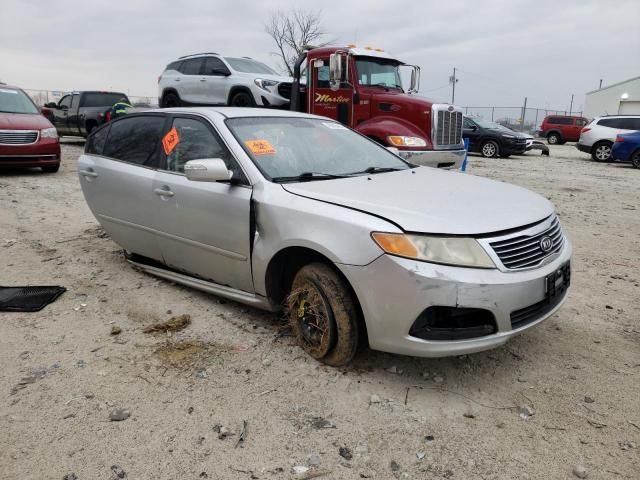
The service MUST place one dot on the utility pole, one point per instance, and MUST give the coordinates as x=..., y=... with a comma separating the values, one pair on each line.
x=600, y=84
x=571, y=105
x=524, y=112
x=453, y=80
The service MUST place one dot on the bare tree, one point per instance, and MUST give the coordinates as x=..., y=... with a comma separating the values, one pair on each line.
x=291, y=31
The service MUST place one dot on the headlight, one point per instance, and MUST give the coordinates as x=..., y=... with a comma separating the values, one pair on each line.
x=263, y=84
x=49, y=133
x=398, y=141
x=460, y=251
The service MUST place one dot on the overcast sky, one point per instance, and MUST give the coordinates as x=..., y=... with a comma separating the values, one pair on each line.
x=504, y=49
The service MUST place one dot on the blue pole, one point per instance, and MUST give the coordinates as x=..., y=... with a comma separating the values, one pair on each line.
x=466, y=151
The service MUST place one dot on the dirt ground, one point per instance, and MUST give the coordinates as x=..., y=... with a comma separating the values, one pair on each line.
x=63, y=372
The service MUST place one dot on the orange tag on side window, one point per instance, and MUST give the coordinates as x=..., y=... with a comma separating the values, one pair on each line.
x=260, y=147
x=170, y=140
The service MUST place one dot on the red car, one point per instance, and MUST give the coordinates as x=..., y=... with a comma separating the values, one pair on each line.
x=558, y=129
x=27, y=138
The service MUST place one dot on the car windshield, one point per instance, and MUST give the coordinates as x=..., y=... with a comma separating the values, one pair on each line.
x=16, y=101
x=297, y=149
x=378, y=71
x=247, y=65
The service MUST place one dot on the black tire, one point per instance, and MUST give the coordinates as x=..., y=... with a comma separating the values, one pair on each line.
x=242, y=99
x=171, y=100
x=601, y=152
x=490, y=149
x=51, y=168
x=554, y=139
x=323, y=315
x=635, y=159
x=90, y=127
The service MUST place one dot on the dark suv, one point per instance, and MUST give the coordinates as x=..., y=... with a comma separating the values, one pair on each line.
x=492, y=139
x=558, y=129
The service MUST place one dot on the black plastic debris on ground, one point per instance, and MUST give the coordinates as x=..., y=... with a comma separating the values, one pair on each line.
x=28, y=299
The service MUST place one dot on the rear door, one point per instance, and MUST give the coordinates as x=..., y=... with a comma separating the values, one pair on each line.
x=214, y=81
x=188, y=84
x=204, y=227
x=117, y=175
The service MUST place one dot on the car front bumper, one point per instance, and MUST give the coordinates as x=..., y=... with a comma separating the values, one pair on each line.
x=45, y=152
x=583, y=148
x=393, y=292
x=447, y=159
x=267, y=98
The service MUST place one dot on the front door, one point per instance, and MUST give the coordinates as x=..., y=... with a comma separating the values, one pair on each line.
x=73, y=118
x=203, y=227
x=335, y=104
x=214, y=82
x=61, y=114
x=471, y=131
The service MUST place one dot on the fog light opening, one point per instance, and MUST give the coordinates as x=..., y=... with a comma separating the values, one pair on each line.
x=452, y=323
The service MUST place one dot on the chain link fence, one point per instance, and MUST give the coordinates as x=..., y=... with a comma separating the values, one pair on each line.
x=42, y=97
x=516, y=118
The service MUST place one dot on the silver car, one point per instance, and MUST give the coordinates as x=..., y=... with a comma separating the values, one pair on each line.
x=282, y=210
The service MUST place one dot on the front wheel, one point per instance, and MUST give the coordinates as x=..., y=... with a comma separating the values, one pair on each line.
x=243, y=99
x=635, y=159
x=170, y=100
x=601, y=152
x=323, y=315
x=51, y=168
x=490, y=149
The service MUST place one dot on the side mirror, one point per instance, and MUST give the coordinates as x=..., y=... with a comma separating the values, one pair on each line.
x=207, y=170
x=393, y=150
x=51, y=105
x=415, y=80
x=336, y=74
x=220, y=72
x=474, y=128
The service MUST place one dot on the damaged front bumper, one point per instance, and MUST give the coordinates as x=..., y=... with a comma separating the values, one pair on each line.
x=395, y=292
x=447, y=159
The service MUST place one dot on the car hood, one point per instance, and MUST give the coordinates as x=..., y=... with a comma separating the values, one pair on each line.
x=23, y=121
x=428, y=200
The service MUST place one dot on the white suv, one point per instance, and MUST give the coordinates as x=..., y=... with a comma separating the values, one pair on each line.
x=211, y=79
x=598, y=136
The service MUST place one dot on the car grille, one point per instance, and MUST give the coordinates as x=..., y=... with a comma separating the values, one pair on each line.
x=18, y=137
x=284, y=90
x=526, y=251
x=448, y=131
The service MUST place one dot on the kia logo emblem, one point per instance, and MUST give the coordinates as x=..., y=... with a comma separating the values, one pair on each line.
x=546, y=244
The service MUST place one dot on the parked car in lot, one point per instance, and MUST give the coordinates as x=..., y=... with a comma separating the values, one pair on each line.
x=27, y=138
x=274, y=208
x=558, y=129
x=212, y=79
x=626, y=148
x=598, y=136
x=78, y=113
x=492, y=139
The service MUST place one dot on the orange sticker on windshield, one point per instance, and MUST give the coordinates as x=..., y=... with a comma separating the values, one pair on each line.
x=260, y=147
x=170, y=140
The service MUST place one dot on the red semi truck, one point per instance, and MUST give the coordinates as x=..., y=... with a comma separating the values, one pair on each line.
x=362, y=88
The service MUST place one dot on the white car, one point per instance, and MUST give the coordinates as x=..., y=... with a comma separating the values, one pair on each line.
x=598, y=136
x=211, y=79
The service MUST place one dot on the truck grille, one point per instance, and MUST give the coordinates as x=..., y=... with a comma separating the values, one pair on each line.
x=448, y=127
x=284, y=90
x=526, y=251
x=18, y=137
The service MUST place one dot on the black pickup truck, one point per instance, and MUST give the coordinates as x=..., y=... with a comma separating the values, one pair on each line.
x=77, y=113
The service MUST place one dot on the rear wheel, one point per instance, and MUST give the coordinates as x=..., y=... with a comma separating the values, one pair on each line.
x=553, y=138
x=635, y=159
x=51, y=168
x=323, y=315
x=242, y=99
x=490, y=149
x=170, y=100
x=601, y=152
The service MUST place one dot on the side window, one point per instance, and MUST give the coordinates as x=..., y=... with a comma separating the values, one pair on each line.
x=466, y=123
x=196, y=141
x=608, y=122
x=191, y=66
x=75, y=100
x=214, y=66
x=581, y=122
x=322, y=75
x=135, y=140
x=552, y=120
x=627, y=123
x=95, y=142
x=65, y=101
x=174, y=65
x=634, y=123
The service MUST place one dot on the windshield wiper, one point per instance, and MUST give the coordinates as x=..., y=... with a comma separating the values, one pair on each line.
x=378, y=170
x=307, y=176
x=385, y=86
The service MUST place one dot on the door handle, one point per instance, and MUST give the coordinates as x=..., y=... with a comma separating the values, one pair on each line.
x=88, y=173
x=177, y=79
x=203, y=79
x=163, y=192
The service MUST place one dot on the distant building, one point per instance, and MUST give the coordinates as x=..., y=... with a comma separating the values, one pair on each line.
x=621, y=98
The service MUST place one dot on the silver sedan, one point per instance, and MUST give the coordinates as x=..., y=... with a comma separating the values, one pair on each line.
x=290, y=211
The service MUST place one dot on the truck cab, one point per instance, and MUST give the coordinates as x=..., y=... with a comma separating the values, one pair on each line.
x=362, y=88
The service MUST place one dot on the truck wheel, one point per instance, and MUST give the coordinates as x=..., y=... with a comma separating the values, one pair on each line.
x=242, y=99
x=51, y=168
x=490, y=149
x=635, y=159
x=170, y=100
x=601, y=152
x=553, y=139
x=323, y=315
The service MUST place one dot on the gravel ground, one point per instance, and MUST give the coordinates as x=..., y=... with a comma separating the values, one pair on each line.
x=63, y=372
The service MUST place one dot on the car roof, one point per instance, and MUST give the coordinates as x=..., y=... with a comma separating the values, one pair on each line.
x=238, y=112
